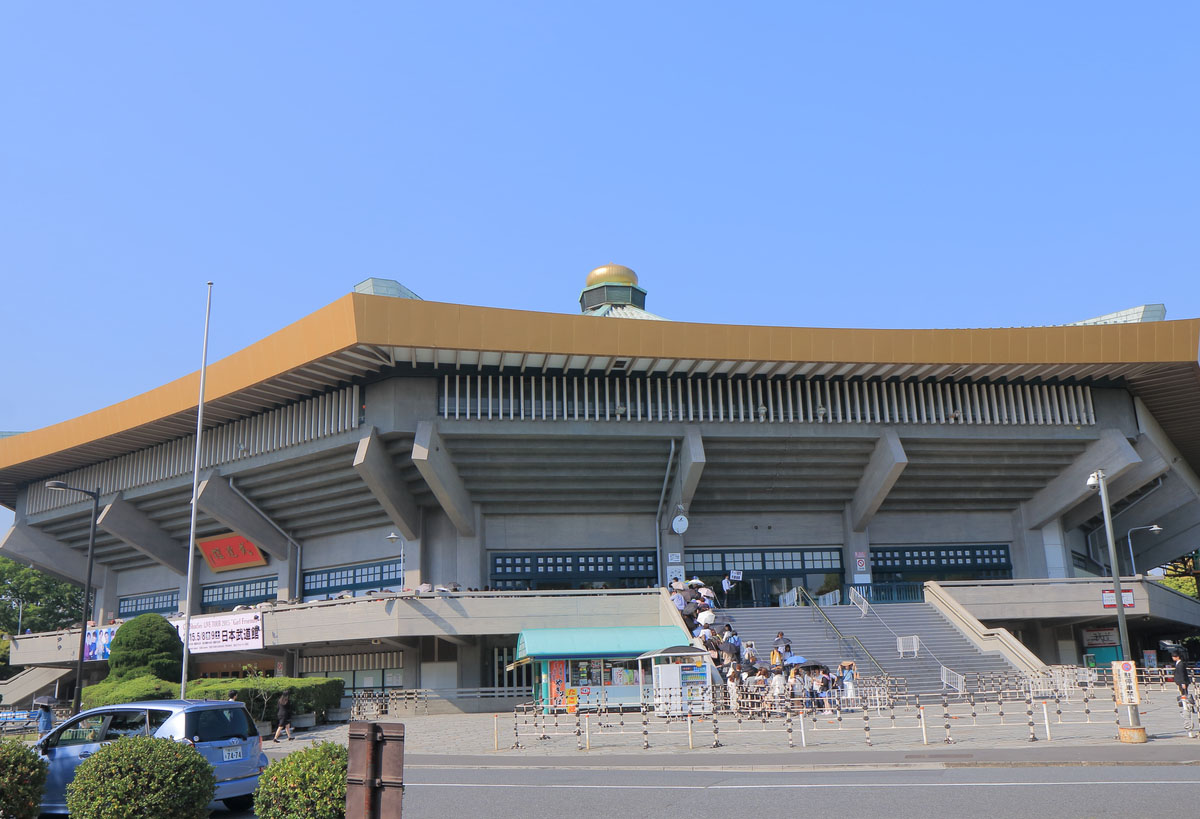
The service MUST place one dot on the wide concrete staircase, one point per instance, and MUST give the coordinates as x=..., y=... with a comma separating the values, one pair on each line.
x=19, y=690
x=940, y=642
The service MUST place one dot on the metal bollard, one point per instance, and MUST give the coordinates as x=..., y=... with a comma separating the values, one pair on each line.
x=1116, y=710
x=1046, y=719
x=516, y=733
x=716, y=733
x=1058, y=708
x=867, y=725
x=689, y=720
x=892, y=706
x=791, y=742
x=1087, y=712
x=839, y=713
x=974, y=715
x=1000, y=705
x=645, y=729
x=946, y=719
x=578, y=732
x=803, y=739
x=587, y=730
x=921, y=719
x=1029, y=717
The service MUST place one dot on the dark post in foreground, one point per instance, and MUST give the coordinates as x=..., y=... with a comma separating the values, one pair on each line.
x=375, y=775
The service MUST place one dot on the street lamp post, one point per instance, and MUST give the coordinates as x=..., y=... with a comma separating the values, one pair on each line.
x=61, y=486
x=1097, y=481
x=1154, y=527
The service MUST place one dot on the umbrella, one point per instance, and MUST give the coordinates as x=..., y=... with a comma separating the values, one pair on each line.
x=780, y=642
x=706, y=617
x=795, y=659
x=695, y=581
x=690, y=594
x=707, y=592
x=45, y=700
x=678, y=585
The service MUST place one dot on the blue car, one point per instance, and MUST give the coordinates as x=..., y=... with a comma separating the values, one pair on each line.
x=222, y=732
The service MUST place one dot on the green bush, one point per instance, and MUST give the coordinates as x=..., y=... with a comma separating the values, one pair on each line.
x=261, y=694
x=142, y=777
x=22, y=777
x=309, y=784
x=147, y=644
x=115, y=692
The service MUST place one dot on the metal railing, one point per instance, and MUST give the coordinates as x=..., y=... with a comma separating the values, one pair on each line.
x=817, y=610
x=880, y=593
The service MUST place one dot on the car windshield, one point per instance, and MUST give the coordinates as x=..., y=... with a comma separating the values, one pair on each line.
x=212, y=724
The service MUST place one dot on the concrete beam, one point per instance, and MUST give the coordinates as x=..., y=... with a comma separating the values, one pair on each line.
x=883, y=470
x=33, y=547
x=1153, y=465
x=374, y=466
x=691, y=466
x=433, y=462
x=122, y=519
x=1110, y=452
x=217, y=499
x=1180, y=536
x=1150, y=427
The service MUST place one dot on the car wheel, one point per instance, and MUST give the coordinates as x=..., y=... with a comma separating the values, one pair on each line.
x=240, y=803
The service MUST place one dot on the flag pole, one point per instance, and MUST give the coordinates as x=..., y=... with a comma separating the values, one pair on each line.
x=191, y=603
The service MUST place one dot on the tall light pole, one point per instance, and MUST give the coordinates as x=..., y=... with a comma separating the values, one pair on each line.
x=61, y=486
x=1097, y=481
x=1154, y=527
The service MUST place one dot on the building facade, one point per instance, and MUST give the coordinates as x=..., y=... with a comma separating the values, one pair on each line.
x=556, y=469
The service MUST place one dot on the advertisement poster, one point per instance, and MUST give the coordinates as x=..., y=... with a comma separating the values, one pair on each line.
x=223, y=632
x=558, y=682
x=1108, y=598
x=97, y=642
x=1150, y=658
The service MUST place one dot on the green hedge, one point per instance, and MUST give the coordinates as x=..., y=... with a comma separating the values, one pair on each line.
x=308, y=784
x=22, y=777
x=147, y=644
x=142, y=776
x=115, y=692
x=261, y=694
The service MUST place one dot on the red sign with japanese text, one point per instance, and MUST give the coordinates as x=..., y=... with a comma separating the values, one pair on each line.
x=225, y=552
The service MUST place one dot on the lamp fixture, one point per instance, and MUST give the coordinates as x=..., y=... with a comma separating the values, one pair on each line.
x=391, y=537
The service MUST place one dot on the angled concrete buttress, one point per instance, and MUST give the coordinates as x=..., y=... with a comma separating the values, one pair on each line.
x=374, y=466
x=123, y=520
x=32, y=547
x=433, y=462
x=217, y=499
x=1110, y=452
x=883, y=470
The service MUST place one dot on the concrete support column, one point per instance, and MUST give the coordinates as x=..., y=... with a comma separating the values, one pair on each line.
x=856, y=545
x=289, y=588
x=106, y=603
x=1055, y=550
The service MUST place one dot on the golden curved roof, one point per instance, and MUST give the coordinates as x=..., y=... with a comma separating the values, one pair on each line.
x=611, y=274
x=360, y=334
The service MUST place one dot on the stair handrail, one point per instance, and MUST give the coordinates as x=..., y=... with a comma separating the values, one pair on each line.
x=986, y=639
x=852, y=638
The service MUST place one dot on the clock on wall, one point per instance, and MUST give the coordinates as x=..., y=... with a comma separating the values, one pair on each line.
x=679, y=524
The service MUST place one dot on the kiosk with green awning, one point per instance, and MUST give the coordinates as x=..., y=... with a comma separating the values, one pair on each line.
x=591, y=667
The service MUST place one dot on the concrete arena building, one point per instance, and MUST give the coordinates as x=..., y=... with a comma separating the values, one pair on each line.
x=385, y=442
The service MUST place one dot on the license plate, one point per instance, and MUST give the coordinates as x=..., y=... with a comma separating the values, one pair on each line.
x=232, y=753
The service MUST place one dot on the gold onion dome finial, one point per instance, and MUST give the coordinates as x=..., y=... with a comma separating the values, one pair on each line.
x=611, y=274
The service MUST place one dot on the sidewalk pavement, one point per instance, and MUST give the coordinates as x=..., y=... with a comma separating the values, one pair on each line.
x=471, y=740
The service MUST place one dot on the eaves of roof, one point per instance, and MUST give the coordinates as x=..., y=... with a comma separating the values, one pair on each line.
x=359, y=335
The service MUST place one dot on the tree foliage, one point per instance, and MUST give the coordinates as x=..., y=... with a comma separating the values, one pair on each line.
x=1183, y=584
x=35, y=599
x=309, y=783
x=147, y=644
x=22, y=777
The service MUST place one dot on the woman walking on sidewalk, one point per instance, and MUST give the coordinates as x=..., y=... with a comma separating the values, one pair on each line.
x=283, y=715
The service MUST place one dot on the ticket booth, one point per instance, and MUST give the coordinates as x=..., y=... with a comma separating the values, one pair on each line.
x=591, y=668
x=680, y=680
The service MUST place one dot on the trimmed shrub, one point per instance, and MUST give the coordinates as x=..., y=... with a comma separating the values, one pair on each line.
x=147, y=644
x=309, y=784
x=142, y=776
x=115, y=692
x=22, y=777
x=261, y=694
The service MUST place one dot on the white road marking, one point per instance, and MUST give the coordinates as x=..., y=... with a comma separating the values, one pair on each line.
x=803, y=786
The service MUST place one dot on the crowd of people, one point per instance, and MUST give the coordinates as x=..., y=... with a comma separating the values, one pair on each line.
x=780, y=680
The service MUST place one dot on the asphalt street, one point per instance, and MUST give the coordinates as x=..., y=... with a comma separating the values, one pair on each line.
x=914, y=791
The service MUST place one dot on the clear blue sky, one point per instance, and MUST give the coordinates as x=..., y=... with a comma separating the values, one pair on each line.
x=882, y=165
